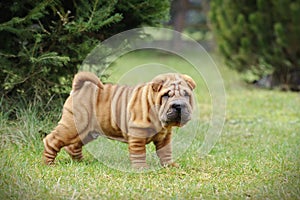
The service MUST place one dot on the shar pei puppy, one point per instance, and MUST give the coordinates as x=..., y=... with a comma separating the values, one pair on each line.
x=136, y=115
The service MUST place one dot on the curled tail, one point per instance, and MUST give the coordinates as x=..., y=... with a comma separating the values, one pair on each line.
x=82, y=77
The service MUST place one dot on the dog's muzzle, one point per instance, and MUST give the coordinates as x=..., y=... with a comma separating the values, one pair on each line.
x=178, y=113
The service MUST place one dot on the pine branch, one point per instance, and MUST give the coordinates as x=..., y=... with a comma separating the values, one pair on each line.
x=50, y=58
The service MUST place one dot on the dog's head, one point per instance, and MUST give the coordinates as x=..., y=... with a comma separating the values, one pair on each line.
x=174, y=98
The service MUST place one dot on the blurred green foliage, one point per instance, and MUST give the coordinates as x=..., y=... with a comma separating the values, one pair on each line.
x=259, y=37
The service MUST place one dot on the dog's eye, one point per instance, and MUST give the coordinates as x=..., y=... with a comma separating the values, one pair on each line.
x=166, y=95
x=186, y=94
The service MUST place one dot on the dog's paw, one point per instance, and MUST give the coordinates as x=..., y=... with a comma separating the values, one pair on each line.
x=140, y=166
x=171, y=164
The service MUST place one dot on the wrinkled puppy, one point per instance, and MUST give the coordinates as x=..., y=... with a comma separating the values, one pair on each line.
x=135, y=115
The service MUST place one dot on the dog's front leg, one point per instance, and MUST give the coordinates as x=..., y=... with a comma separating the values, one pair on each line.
x=137, y=152
x=164, y=151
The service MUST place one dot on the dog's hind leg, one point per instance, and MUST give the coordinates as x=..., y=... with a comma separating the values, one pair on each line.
x=75, y=150
x=64, y=134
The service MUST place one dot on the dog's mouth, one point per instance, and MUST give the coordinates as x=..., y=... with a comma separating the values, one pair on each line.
x=176, y=115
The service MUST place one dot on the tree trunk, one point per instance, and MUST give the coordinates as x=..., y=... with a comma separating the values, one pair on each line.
x=180, y=7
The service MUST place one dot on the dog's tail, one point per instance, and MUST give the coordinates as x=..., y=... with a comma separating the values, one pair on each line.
x=82, y=77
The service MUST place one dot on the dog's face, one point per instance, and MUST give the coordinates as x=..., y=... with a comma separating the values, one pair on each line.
x=174, y=98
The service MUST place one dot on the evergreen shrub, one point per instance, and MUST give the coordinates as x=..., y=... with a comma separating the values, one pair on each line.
x=259, y=38
x=43, y=43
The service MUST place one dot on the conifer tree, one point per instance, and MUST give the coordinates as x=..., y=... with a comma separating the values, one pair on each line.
x=42, y=43
x=259, y=37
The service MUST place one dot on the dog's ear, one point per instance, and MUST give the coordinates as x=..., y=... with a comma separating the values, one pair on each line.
x=191, y=83
x=157, y=84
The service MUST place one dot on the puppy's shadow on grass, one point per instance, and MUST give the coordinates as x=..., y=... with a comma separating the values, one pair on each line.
x=115, y=155
x=63, y=158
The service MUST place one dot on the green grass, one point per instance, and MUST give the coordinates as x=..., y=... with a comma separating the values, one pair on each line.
x=256, y=157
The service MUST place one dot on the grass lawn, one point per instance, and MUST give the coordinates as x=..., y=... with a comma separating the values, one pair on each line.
x=256, y=157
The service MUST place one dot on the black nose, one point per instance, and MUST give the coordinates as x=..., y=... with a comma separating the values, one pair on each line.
x=178, y=106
